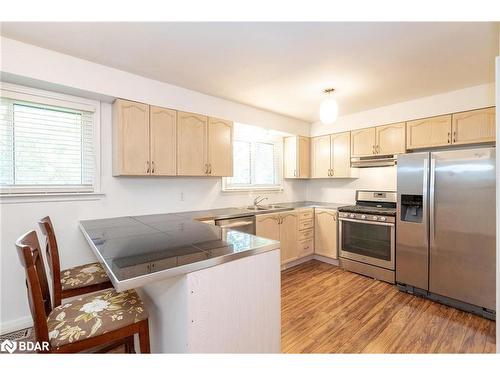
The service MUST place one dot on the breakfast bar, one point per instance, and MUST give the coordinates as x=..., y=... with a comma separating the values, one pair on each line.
x=206, y=290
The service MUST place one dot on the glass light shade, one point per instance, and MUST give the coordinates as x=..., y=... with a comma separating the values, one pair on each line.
x=328, y=110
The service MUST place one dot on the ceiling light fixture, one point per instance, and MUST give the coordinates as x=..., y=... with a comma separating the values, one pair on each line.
x=329, y=109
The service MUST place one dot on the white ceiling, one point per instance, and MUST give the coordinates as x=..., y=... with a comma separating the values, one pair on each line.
x=283, y=67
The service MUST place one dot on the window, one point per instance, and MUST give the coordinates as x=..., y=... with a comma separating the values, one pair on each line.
x=256, y=160
x=47, y=143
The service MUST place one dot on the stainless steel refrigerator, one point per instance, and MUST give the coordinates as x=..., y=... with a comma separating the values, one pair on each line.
x=445, y=228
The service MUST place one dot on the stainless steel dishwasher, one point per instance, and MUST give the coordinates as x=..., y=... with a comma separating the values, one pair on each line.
x=244, y=224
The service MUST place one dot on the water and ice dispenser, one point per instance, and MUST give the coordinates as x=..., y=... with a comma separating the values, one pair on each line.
x=411, y=208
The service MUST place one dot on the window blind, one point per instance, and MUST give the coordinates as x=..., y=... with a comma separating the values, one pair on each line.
x=45, y=148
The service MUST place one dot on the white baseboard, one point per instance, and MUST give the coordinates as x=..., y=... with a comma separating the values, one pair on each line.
x=15, y=325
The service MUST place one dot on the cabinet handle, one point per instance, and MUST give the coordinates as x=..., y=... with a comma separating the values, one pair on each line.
x=373, y=150
x=454, y=136
x=294, y=173
x=147, y=164
x=449, y=137
x=378, y=149
x=206, y=168
x=333, y=172
x=209, y=168
x=153, y=167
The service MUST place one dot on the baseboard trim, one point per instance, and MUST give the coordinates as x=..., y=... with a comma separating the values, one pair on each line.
x=323, y=259
x=15, y=325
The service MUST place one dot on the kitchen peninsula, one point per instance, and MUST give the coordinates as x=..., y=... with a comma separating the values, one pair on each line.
x=206, y=290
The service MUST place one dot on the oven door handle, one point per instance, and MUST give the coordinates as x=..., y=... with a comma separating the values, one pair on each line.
x=368, y=222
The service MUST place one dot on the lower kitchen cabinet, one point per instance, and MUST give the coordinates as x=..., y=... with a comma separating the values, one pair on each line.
x=281, y=227
x=325, y=233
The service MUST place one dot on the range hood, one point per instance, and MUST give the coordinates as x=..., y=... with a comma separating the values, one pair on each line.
x=374, y=161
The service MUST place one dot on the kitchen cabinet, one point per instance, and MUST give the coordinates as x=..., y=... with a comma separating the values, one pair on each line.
x=204, y=145
x=131, y=152
x=297, y=157
x=325, y=233
x=380, y=140
x=390, y=139
x=331, y=156
x=474, y=126
x=192, y=155
x=163, y=134
x=220, y=147
x=428, y=132
x=280, y=227
x=363, y=142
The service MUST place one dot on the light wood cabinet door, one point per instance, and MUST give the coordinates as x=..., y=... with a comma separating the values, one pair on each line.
x=163, y=129
x=304, y=157
x=297, y=151
x=321, y=157
x=288, y=236
x=220, y=147
x=428, y=132
x=192, y=144
x=130, y=138
x=268, y=226
x=325, y=233
x=474, y=126
x=391, y=139
x=363, y=142
x=290, y=147
x=341, y=155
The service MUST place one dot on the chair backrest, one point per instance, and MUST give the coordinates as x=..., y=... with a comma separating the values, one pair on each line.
x=28, y=250
x=52, y=253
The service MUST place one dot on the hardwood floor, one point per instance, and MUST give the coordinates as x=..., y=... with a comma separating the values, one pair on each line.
x=328, y=310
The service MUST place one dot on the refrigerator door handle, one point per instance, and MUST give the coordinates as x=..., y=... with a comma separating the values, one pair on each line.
x=425, y=195
x=432, y=221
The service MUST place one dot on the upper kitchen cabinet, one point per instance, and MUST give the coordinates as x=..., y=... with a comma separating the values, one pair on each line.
x=131, y=138
x=204, y=145
x=363, y=142
x=428, y=132
x=390, y=139
x=320, y=157
x=474, y=126
x=220, y=147
x=331, y=156
x=192, y=155
x=297, y=157
x=379, y=140
x=163, y=134
x=341, y=156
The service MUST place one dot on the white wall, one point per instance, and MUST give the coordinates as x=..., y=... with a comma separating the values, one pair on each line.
x=123, y=196
x=385, y=178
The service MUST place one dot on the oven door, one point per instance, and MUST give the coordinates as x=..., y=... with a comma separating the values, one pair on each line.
x=368, y=242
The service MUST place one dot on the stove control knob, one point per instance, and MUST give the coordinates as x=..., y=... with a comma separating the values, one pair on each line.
x=363, y=216
x=352, y=215
x=375, y=218
x=383, y=219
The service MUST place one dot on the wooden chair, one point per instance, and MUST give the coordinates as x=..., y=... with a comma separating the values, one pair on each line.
x=91, y=321
x=74, y=281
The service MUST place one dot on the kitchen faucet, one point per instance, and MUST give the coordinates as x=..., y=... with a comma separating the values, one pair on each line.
x=258, y=200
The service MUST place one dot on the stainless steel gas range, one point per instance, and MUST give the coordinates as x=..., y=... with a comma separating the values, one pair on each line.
x=367, y=235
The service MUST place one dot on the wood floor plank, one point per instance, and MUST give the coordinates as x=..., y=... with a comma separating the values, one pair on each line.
x=328, y=310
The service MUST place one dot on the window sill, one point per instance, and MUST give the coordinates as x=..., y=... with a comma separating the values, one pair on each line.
x=49, y=197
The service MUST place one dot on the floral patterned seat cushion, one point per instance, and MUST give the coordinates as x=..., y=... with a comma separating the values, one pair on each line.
x=93, y=315
x=82, y=276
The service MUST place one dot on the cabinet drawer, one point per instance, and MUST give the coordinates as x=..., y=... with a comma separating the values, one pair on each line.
x=306, y=224
x=306, y=214
x=306, y=234
x=306, y=247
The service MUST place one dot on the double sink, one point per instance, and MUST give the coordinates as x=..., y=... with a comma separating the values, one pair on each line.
x=264, y=208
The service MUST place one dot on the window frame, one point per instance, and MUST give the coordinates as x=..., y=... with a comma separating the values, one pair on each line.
x=12, y=194
x=278, y=152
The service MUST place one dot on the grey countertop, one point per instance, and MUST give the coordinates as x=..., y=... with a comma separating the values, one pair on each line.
x=136, y=250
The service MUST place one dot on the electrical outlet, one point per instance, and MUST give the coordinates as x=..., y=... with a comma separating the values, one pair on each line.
x=182, y=196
